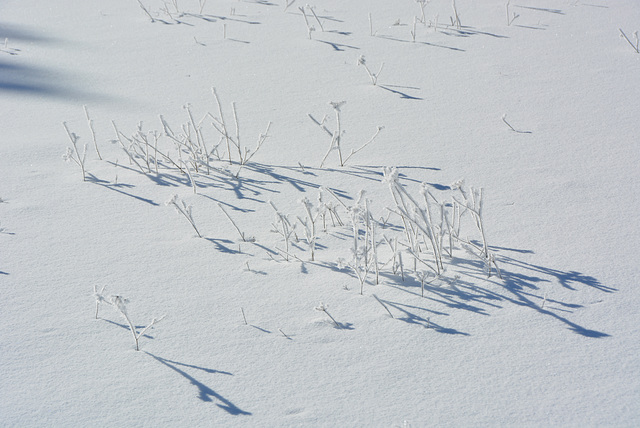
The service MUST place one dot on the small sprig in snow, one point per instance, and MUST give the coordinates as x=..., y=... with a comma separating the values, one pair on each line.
x=183, y=209
x=636, y=45
x=372, y=76
x=119, y=303
x=323, y=308
x=390, y=175
x=74, y=154
x=337, y=105
x=99, y=296
x=457, y=184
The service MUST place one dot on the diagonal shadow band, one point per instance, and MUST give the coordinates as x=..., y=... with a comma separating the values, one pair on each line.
x=205, y=393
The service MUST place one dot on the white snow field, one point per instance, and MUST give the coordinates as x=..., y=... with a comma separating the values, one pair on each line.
x=514, y=305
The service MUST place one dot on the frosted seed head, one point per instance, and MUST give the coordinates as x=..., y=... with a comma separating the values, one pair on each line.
x=68, y=155
x=457, y=184
x=120, y=303
x=172, y=201
x=390, y=175
x=337, y=105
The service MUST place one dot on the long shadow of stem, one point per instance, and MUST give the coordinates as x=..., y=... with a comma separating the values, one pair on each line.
x=205, y=393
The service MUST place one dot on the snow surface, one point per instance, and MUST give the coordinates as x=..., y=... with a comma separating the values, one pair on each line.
x=552, y=343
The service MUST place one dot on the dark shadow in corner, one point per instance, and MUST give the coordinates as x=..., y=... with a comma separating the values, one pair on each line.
x=31, y=80
x=204, y=392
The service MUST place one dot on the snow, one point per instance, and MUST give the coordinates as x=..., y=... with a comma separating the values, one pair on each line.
x=552, y=343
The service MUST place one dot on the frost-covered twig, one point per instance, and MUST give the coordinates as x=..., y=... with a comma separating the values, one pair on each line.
x=456, y=21
x=119, y=136
x=183, y=209
x=316, y=17
x=202, y=3
x=284, y=227
x=323, y=308
x=310, y=28
x=474, y=203
x=510, y=18
x=288, y=3
x=119, y=303
x=504, y=119
x=74, y=154
x=219, y=124
x=243, y=236
x=384, y=306
x=353, y=152
x=99, y=296
x=422, y=4
x=635, y=47
x=361, y=251
x=146, y=11
x=372, y=76
x=309, y=225
x=93, y=132
x=336, y=135
x=417, y=219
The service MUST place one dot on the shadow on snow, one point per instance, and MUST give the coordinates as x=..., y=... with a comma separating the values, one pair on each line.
x=205, y=393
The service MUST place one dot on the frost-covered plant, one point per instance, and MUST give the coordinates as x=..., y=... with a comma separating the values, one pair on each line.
x=372, y=76
x=413, y=29
x=419, y=225
x=73, y=154
x=190, y=143
x=243, y=236
x=396, y=259
x=310, y=28
x=473, y=202
x=323, y=308
x=183, y=209
x=328, y=207
x=100, y=298
x=128, y=149
x=336, y=135
x=309, y=225
x=202, y=3
x=504, y=119
x=455, y=19
x=510, y=18
x=285, y=228
x=364, y=257
x=93, y=132
x=119, y=303
x=383, y=305
x=146, y=11
x=636, y=46
x=422, y=277
x=422, y=4
x=233, y=142
x=313, y=12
